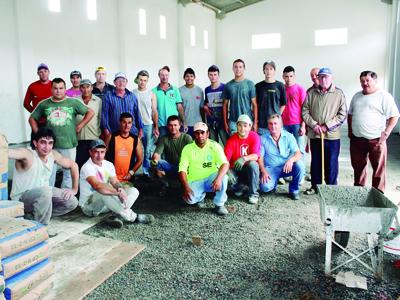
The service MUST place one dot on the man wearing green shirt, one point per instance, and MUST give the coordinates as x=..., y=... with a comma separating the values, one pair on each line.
x=202, y=168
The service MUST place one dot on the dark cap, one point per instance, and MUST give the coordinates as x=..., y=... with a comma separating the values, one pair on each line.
x=97, y=144
x=73, y=73
x=85, y=81
x=141, y=73
x=42, y=66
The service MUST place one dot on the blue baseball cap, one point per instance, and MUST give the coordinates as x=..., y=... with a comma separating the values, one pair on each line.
x=325, y=71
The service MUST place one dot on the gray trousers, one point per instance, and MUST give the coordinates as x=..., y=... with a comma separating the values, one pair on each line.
x=45, y=202
x=249, y=174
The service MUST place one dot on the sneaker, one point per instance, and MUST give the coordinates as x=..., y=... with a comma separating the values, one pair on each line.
x=240, y=191
x=310, y=191
x=281, y=181
x=114, y=222
x=144, y=219
x=253, y=199
x=221, y=210
x=200, y=204
x=294, y=196
x=308, y=177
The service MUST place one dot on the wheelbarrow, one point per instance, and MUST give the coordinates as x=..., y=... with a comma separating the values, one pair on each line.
x=356, y=209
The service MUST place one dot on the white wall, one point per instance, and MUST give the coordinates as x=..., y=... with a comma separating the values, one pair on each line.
x=68, y=40
x=366, y=20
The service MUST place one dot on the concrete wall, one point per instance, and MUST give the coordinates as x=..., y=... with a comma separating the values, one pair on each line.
x=68, y=41
x=368, y=30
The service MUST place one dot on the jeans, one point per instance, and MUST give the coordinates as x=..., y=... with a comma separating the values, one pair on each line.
x=99, y=203
x=250, y=174
x=202, y=186
x=217, y=132
x=163, y=130
x=67, y=180
x=294, y=129
x=262, y=131
x=45, y=202
x=275, y=173
x=148, y=147
x=232, y=127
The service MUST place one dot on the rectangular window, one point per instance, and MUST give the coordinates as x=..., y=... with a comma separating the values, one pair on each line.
x=54, y=6
x=142, y=22
x=92, y=10
x=192, y=36
x=163, y=27
x=205, y=39
x=336, y=36
x=266, y=41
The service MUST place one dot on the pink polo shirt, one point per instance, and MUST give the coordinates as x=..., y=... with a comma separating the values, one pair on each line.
x=295, y=96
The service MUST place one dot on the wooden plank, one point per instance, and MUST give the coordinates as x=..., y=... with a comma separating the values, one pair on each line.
x=83, y=262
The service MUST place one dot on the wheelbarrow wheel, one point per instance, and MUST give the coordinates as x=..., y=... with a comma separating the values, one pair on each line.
x=342, y=238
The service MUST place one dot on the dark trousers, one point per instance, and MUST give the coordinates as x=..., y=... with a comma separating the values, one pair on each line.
x=82, y=152
x=360, y=150
x=331, y=161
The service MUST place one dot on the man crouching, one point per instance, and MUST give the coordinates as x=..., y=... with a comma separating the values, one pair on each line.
x=101, y=192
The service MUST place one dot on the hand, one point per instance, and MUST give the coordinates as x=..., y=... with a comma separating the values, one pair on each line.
x=216, y=185
x=127, y=177
x=302, y=130
x=68, y=194
x=324, y=128
x=140, y=134
x=226, y=127
x=78, y=128
x=156, y=132
x=265, y=176
x=383, y=137
x=287, y=168
x=123, y=197
x=187, y=194
x=207, y=110
x=255, y=127
x=239, y=163
x=317, y=129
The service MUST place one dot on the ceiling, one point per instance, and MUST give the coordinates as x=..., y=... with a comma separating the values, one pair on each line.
x=221, y=7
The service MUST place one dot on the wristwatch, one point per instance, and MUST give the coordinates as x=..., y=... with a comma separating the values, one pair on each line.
x=131, y=172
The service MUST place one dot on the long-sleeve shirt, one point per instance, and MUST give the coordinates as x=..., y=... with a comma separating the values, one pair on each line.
x=327, y=109
x=113, y=106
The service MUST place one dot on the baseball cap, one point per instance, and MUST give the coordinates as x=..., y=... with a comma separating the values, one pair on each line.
x=85, y=81
x=324, y=71
x=73, y=73
x=200, y=126
x=100, y=68
x=97, y=144
x=42, y=66
x=141, y=73
x=120, y=75
x=271, y=63
x=245, y=119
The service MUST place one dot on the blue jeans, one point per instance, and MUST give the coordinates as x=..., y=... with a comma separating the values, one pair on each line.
x=217, y=132
x=250, y=174
x=148, y=147
x=294, y=129
x=202, y=186
x=232, y=127
x=275, y=173
x=167, y=167
x=163, y=130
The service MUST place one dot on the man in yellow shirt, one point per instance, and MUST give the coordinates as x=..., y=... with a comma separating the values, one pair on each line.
x=202, y=168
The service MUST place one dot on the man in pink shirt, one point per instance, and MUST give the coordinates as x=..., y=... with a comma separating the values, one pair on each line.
x=74, y=91
x=291, y=116
x=243, y=151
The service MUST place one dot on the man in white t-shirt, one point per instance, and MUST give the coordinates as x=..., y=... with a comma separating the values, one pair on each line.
x=371, y=118
x=101, y=192
x=148, y=111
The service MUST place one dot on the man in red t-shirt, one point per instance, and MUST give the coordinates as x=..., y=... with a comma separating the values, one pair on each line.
x=38, y=90
x=243, y=151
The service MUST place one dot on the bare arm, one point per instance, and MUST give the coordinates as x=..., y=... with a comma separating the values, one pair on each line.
x=255, y=113
x=181, y=111
x=187, y=191
x=263, y=172
x=67, y=163
x=139, y=156
x=88, y=116
x=349, y=125
x=22, y=156
x=390, y=123
x=101, y=187
x=33, y=123
x=225, y=114
x=282, y=108
x=154, y=114
x=287, y=168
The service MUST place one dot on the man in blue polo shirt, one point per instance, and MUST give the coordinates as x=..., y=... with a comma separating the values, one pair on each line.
x=280, y=157
x=169, y=101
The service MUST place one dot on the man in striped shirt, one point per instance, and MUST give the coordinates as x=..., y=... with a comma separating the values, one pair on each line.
x=115, y=103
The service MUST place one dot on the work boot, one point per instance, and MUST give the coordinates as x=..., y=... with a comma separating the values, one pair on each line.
x=114, y=221
x=221, y=210
x=144, y=219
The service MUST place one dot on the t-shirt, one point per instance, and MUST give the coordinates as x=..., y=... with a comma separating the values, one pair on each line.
x=36, y=92
x=239, y=94
x=277, y=156
x=192, y=100
x=295, y=95
x=172, y=148
x=237, y=147
x=166, y=103
x=61, y=118
x=199, y=163
x=122, y=153
x=145, y=109
x=270, y=97
x=213, y=97
x=73, y=93
x=91, y=131
x=370, y=112
x=36, y=176
x=102, y=173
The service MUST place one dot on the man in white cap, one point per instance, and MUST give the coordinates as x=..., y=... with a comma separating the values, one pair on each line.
x=101, y=192
x=116, y=102
x=202, y=168
x=243, y=151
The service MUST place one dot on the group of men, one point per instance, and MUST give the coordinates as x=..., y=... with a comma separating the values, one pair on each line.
x=253, y=135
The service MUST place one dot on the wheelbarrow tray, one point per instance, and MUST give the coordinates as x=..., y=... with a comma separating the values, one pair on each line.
x=356, y=209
